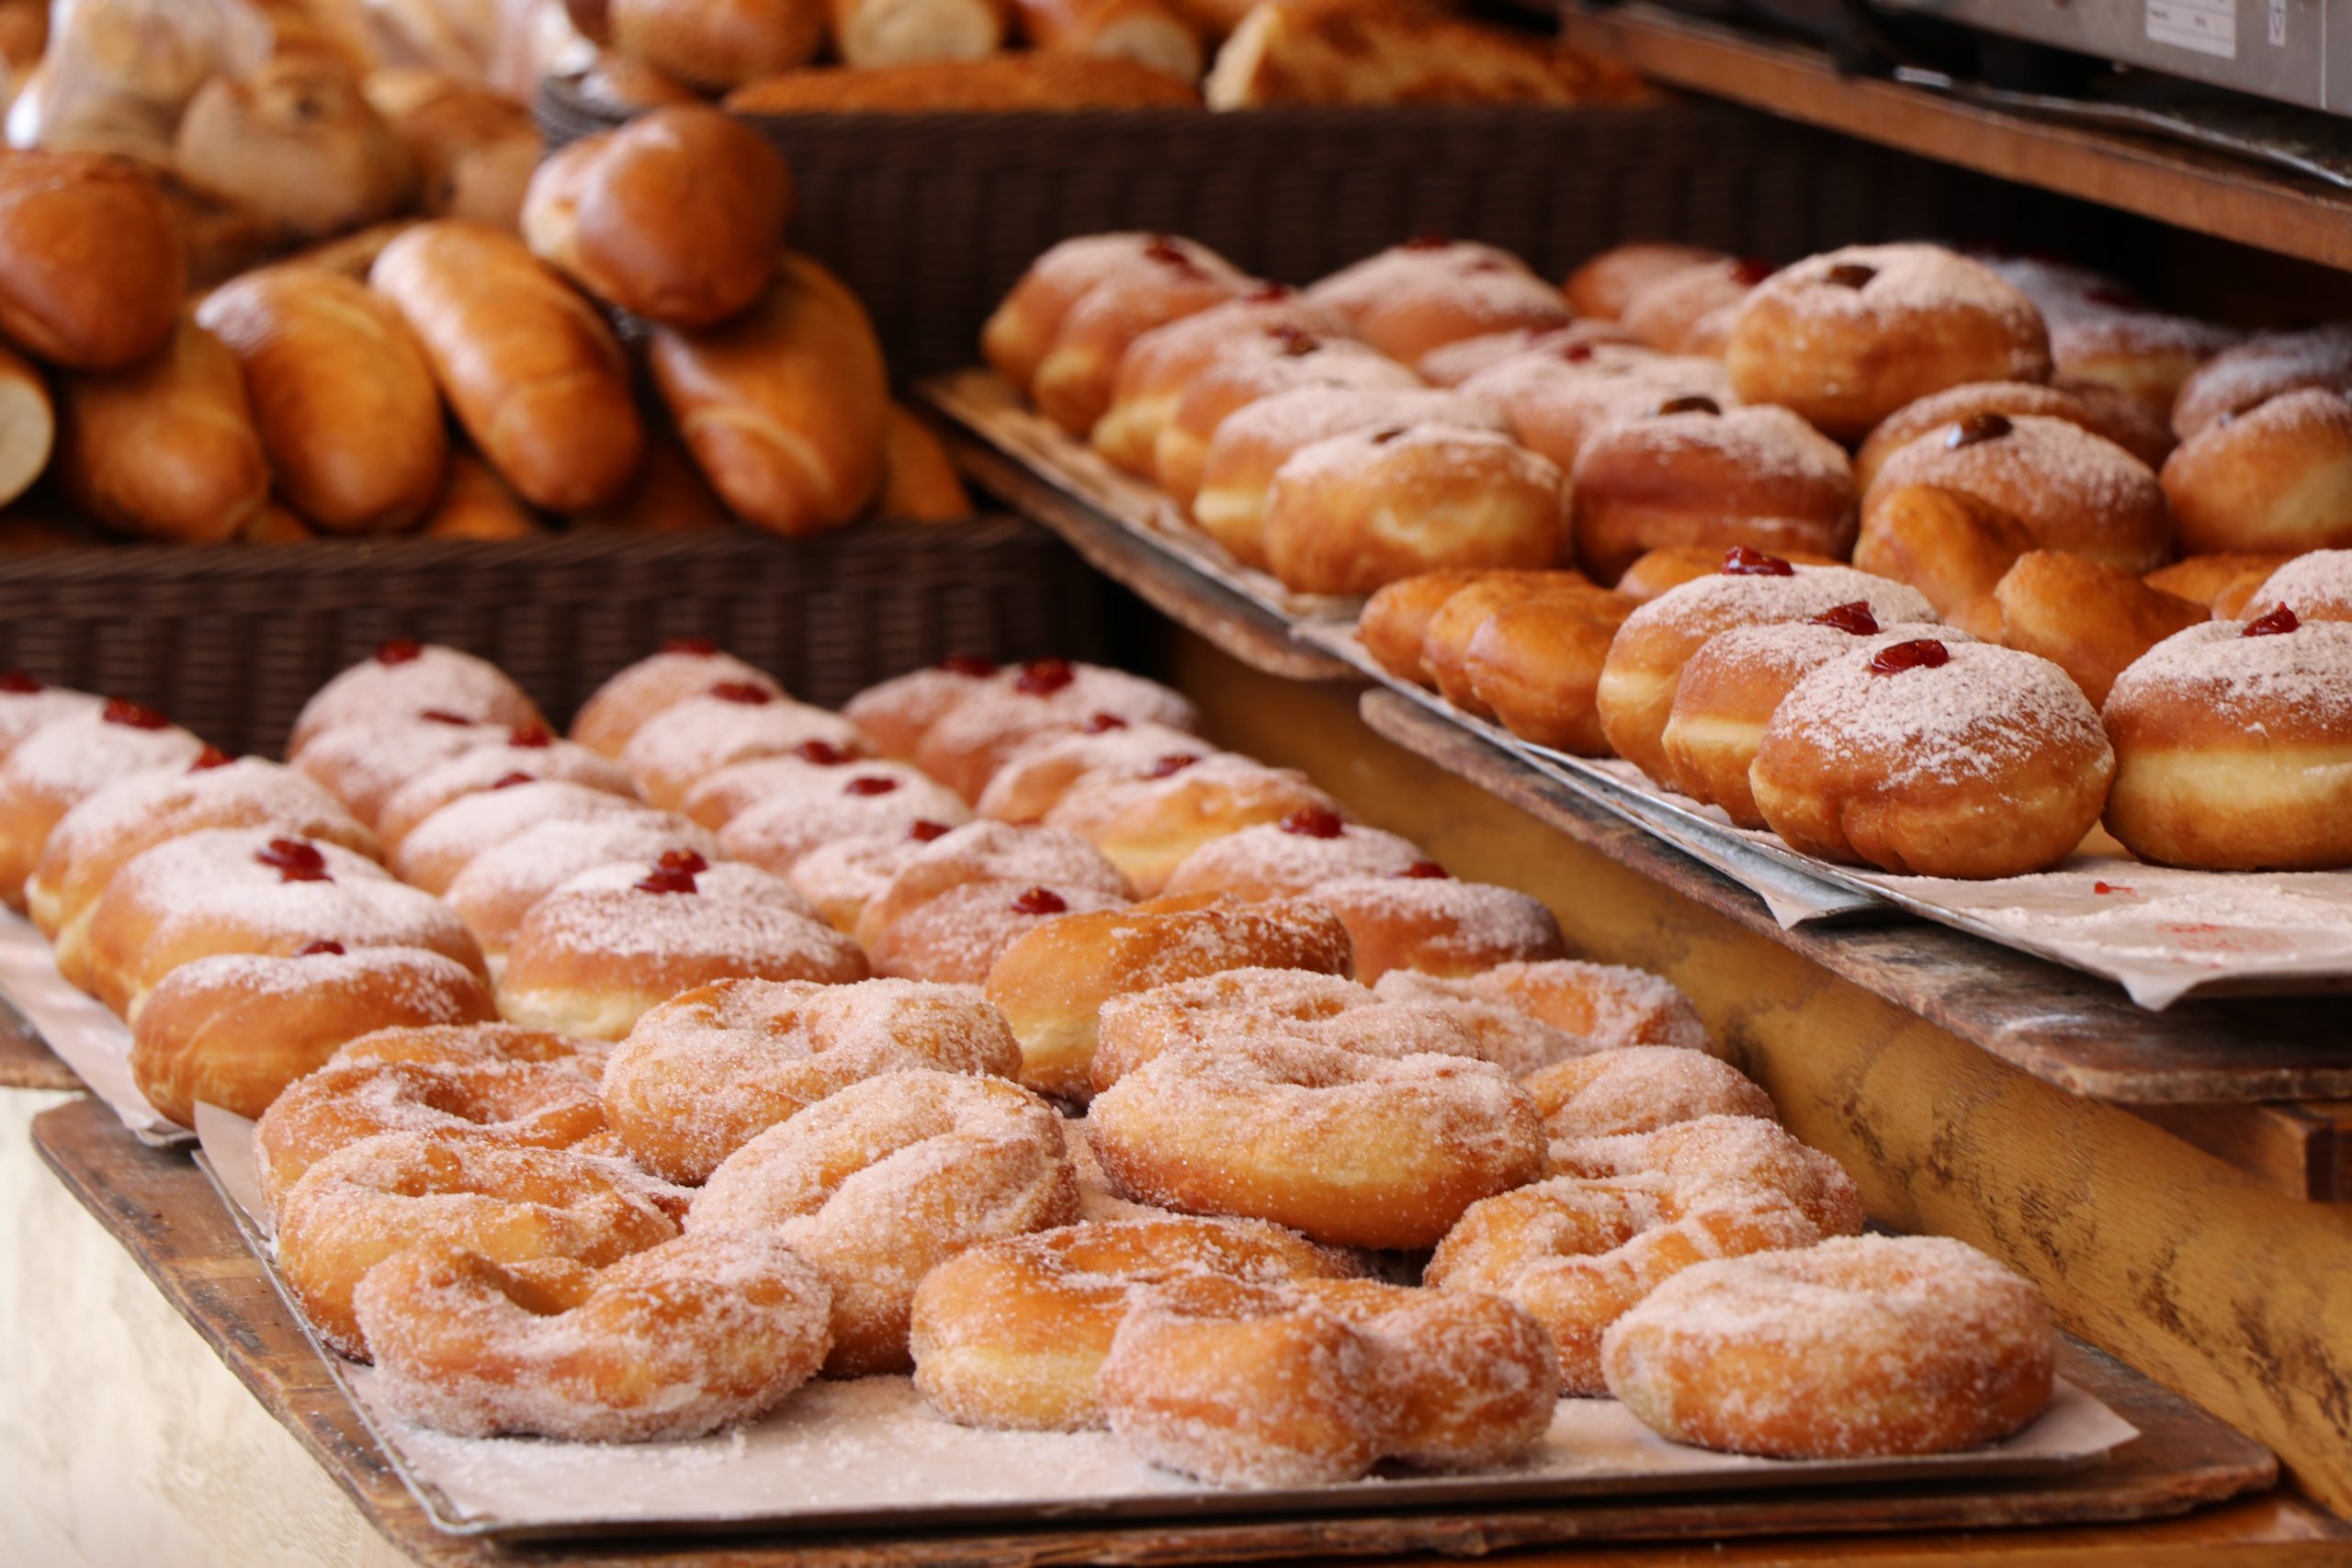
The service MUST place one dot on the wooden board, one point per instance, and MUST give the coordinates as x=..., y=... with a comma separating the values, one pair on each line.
x=164, y=1213
x=25, y=1061
x=2210, y=193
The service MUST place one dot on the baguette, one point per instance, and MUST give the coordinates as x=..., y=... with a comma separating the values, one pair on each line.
x=1397, y=52
x=897, y=32
x=919, y=479
x=1001, y=83
x=91, y=270
x=28, y=426
x=535, y=374
x=717, y=44
x=298, y=143
x=782, y=408
x=166, y=449
x=1148, y=32
x=475, y=504
x=677, y=217
x=345, y=400
x=474, y=149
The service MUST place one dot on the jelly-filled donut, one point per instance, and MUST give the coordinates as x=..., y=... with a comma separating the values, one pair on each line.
x=66, y=761
x=2068, y=488
x=364, y=763
x=234, y=1030
x=1147, y=823
x=809, y=772
x=1935, y=758
x=1446, y=637
x=442, y=846
x=845, y=876
x=1951, y=545
x=1722, y=1151
x=1012, y=1333
x=1007, y=861
x=523, y=756
x=1604, y=285
x=705, y=1073
x=1426, y=920
x=1608, y=1005
x=1954, y=405
x=1578, y=1254
x=1859, y=1347
x=1428, y=292
x=894, y=714
x=1847, y=337
x=882, y=1182
x=404, y=678
x=1309, y=1382
x=1019, y=334
x=505, y=882
x=27, y=704
x=2264, y=366
x=2278, y=477
x=1292, y=855
x=971, y=741
x=683, y=668
x=1457, y=362
x=2316, y=587
x=679, y=1340
x=2089, y=619
x=2234, y=747
x=1273, y=363
x=1165, y=362
x=1395, y=620
x=2104, y=336
x=1691, y=311
x=1342, y=1145
x=1674, y=565
x=730, y=722
x=1037, y=776
x=837, y=804
x=1165, y=281
x=1555, y=400
x=1276, y=1003
x=1536, y=666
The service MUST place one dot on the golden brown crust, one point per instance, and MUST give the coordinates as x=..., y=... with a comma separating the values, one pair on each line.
x=2089, y=619
x=2277, y=478
x=1395, y=619
x=919, y=483
x=1951, y=545
x=2211, y=579
x=167, y=449
x=1537, y=666
x=2071, y=489
x=1909, y=422
x=1435, y=925
x=1394, y=52
x=717, y=44
x=1446, y=640
x=1004, y=83
x=91, y=270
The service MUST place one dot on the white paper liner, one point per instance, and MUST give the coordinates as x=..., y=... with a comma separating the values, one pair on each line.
x=872, y=1453
x=86, y=1036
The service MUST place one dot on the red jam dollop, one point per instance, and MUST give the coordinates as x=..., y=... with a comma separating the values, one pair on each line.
x=294, y=860
x=1854, y=619
x=1746, y=561
x=1314, y=822
x=1924, y=653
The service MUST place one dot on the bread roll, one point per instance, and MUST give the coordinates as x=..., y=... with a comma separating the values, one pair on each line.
x=475, y=504
x=1149, y=32
x=782, y=408
x=535, y=374
x=617, y=86
x=353, y=255
x=897, y=32
x=676, y=217
x=717, y=44
x=1003, y=84
x=167, y=448
x=345, y=402
x=1393, y=52
x=298, y=143
x=670, y=497
x=276, y=523
x=91, y=269
x=474, y=149
x=28, y=426
x=919, y=479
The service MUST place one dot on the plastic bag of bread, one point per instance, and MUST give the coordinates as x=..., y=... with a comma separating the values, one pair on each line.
x=118, y=72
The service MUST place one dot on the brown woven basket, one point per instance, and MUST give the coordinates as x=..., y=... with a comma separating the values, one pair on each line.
x=230, y=641
x=930, y=217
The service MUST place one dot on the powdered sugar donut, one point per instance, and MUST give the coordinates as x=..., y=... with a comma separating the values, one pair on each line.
x=854, y=803
x=684, y=667
x=1438, y=925
x=972, y=740
x=1691, y=310
x=1860, y=1346
x=402, y=678
x=1036, y=778
x=436, y=849
x=2103, y=335
x=1147, y=824
x=1555, y=400
x=1271, y=1003
x=1954, y=405
x=1310, y=1382
x=1639, y=1088
x=997, y=854
x=1020, y=334
x=1604, y=285
x=364, y=763
x=679, y=1340
x=524, y=756
x=26, y=704
x=702, y=1074
x=840, y=878
x=1723, y=1150
x=958, y=937
x=2234, y=747
x=501, y=884
x=2070, y=489
x=1260, y=365
x=884, y=1181
x=1165, y=280
x=1428, y=292
x=1292, y=855
x=1935, y=759
x=1606, y=1005
x=1847, y=337
x=67, y=760
x=1457, y=362
x=1161, y=364
x=2266, y=366
x=693, y=737
x=2278, y=477
x=808, y=772
x=465, y=1044
x=2316, y=587
x=1578, y=1255
x=894, y=714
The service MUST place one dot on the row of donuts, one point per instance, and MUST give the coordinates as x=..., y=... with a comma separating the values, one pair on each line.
x=1464, y=412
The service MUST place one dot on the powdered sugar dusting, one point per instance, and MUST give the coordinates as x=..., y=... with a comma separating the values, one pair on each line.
x=1986, y=713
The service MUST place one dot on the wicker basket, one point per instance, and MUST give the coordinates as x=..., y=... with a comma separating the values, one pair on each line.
x=230, y=641
x=930, y=217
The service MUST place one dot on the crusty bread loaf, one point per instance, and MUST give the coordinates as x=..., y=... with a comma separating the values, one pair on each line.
x=1395, y=52
x=347, y=404
x=919, y=479
x=676, y=217
x=298, y=143
x=535, y=374
x=27, y=425
x=474, y=149
x=899, y=32
x=1149, y=32
x=166, y=449
x=475, y=504
x=783, y=407
x=1001, y=83
x=91, y=270
x=717, y=44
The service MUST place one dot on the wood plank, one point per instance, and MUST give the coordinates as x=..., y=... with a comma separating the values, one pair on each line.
x=25, y=1061
x=167, y=1217
x=2230, y=1293
x=2190, y=188
x=2304, y=1150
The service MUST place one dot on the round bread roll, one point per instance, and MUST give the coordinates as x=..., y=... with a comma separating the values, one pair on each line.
x=2278, y=477
x=92, y=274
x=27, y=425
x=474, y=149
x=2071, y=491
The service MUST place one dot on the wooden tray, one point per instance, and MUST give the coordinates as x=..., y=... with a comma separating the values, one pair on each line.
x=25, y=1061
x=167, y=1217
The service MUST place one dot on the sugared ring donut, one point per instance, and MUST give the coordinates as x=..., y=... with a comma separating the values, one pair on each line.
x=2234, y=747
x=1037, y=778
x=1278, y=364
x=1607, y=1005
x=809, y=771
x=502, y=884
x=1457, y=362
x=1282, y=1003
x=1516, y=1041
x=1291, y=856
x=1356, y=511
x=1046, y=696
x=599, y=953
x=730, y=722
x=1639, y=1088
x=2316, y=587
x=1604, y=285
x=1426, y=920
x=1428, y=292
x=235, y=1030
x=526, y=1104
x=464, y=1044
x=1939, y=411
x=1166, y=281
x=1164, y=362
x=1446, y=640
x=991, y=853
x=523, y=757
x=1051, y=982
x=514, y=1205
x=1148, y=826
x=838, y=803
x=249, y=890
x=1724, y=1150
x=1341, y=1145
x=2225, y=583
x=1935, y=758
x=2266, y=366
x=66, y=761
x=2071, y=489
x=1732, y=685
x=1555, y=400
x=104, y=832
x=1847, y=337
x=1860, y=1347
x=2088, y=618
x=894, y=714
x=676, y=1341
x=1578, y=1255
x=702, y=1074
x=1012, y=1333
x=686, y=667
x=1312, y=1381
x=439, y=848
x=1692, y=312
x=2278, y=477
x=27, y=704
x=1249, y=449
x=882, y=1182
x=1951, y=545
x=1634, y=695
x=1020, y=332
x=364, y=764
x=405, y=677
